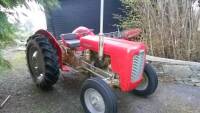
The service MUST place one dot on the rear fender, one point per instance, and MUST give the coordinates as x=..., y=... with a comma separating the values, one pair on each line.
x=54, y=42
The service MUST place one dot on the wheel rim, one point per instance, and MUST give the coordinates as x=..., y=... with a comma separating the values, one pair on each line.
x=144, y=84
x=35, y=60
x=94, y=101
x=36, y=64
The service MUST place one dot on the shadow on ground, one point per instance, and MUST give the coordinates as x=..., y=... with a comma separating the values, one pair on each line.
x=64, y=98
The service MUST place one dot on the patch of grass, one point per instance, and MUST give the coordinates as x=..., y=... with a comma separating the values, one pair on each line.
x=4, y=64
x=19, y=60
x=4, y=70
x=16, y=61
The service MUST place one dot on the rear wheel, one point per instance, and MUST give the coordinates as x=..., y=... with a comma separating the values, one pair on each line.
x=149, y=83
x=42, y=61
x=97, y=97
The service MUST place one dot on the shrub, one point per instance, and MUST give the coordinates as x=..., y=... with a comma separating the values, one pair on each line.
x=170, y=27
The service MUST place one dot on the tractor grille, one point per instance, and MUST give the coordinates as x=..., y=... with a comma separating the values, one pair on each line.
x=137, y=67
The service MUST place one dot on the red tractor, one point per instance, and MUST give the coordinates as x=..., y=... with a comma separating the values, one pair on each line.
x=110, y=63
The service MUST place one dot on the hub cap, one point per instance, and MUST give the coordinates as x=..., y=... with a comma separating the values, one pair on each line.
x=94, y=101
x=36, y=64
x=144, y=84
x=34, y=59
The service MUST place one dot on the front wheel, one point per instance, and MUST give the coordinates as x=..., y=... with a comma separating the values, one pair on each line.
x=149, y=83
x=97, y=97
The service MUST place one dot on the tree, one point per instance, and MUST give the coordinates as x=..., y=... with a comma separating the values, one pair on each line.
x=7, y=30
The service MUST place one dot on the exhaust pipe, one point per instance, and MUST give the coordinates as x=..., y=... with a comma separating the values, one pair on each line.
x=101, y=35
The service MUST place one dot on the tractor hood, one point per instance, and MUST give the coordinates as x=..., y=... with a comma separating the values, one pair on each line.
x=111, y=45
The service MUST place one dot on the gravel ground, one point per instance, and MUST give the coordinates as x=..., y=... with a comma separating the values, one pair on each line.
x=64, y=97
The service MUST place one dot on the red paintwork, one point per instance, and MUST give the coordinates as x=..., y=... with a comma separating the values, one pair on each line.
x=54, y=42
x=121, y=53
x=135, y=32
x=83, y=31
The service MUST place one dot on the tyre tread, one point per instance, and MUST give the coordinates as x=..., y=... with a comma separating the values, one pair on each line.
x=50, y=59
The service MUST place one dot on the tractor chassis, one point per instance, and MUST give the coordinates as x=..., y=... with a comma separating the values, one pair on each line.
x=109, y=77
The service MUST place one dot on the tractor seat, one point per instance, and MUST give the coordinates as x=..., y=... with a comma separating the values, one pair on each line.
x=70, y=40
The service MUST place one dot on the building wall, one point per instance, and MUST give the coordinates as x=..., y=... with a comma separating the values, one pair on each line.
x=74, y=13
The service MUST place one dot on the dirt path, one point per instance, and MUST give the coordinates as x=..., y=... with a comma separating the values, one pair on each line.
x=64, y=98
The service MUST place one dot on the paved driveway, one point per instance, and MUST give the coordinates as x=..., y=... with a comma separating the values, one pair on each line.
x=64, y=98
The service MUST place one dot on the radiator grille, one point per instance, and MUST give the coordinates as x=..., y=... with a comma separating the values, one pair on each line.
x=137, y=66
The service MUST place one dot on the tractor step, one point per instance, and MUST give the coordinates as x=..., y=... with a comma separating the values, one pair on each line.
x=68, y=72
x=65, y=68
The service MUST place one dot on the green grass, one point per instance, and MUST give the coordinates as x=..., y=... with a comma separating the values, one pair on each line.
x=3, y=71
x=18, y=61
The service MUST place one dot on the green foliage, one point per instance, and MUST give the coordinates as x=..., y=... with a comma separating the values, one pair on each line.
x=132, y=16
x=11, y=3
x=7, y=31
x=49, y=4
